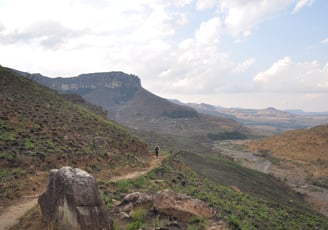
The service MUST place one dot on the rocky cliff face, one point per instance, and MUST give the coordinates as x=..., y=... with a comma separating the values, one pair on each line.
x=106, y=89
x=104, y=80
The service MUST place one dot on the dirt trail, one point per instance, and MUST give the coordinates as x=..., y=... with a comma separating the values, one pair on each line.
x=10, y=215
x=153, y=164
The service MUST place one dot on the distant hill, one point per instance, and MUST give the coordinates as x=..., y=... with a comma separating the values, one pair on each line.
x=128, y=103
x=266, y=121
x=308, y=146
x=39, y=130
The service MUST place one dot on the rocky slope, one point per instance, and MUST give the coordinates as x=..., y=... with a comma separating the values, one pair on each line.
x=39, y=130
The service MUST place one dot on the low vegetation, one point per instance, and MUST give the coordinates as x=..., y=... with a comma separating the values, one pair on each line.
x=39, y=130
x=238, y=209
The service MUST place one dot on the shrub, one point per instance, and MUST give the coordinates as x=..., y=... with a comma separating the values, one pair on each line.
x=139, y=182
x=123, y=186
x=138, y=216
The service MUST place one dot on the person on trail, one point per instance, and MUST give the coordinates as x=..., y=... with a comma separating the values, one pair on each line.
x=156, y=150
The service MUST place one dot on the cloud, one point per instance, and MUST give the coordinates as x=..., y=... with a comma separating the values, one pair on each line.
x=241, y=17
x=2, y=27
x=244, y=66
x=324, y=41
x=49, y=34
x=205, y=4
x=209, y=32
x=300, y=4
x=286, y=75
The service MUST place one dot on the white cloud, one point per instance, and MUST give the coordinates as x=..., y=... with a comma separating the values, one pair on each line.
x=49, y=34
x=244, y=66
x=209, y=32
x=241, y=18
x=300, y=4
x=286, y=75
x=205, y=4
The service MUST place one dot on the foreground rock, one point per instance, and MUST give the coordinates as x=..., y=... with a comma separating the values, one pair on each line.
x=72, y=201
x=169, y=203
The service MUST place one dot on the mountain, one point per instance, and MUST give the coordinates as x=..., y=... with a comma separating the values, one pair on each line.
x=129, y=104
x=301, y=112
x=266, y=121
x=39, y=130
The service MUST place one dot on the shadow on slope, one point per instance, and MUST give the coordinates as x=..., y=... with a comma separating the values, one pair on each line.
x=225, y=172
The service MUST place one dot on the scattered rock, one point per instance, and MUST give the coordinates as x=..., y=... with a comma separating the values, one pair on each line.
x=72, y=201
x=169, y=203
x=181, y=206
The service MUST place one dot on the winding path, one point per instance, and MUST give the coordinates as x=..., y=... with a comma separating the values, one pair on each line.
x=10, y=215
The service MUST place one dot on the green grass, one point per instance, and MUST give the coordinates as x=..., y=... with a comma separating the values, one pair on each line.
x=238, y=209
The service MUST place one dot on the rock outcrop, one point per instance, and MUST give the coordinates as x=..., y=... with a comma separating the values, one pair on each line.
x=169, y=203
x=72, y=201
x=181, y=206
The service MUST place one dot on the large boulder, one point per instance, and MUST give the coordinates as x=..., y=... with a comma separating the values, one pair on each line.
x=72, y=201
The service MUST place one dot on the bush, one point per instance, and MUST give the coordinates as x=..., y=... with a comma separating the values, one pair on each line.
x=138, y=216
x=123, y=186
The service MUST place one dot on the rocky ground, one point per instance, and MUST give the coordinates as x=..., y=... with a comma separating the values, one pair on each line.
x=288, y=171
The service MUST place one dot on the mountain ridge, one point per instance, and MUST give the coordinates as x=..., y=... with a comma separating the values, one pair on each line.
x=267, y=121
x=135, y=107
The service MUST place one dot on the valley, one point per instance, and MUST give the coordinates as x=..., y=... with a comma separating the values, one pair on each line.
x=292, y=172
x=43, y=129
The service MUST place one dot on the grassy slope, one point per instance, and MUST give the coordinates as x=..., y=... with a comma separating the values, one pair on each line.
x=239, y=210
x=39, y=130
x=225, y=172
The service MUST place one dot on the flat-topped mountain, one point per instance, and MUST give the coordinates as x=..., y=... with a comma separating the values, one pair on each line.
x=128, y=103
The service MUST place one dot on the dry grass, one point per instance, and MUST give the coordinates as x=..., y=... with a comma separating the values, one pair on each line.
x=308, y=146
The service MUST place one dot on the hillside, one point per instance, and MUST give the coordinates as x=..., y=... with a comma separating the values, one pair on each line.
x=308, y=146
x=129, y=104
x=234, y=209
x=39, y=130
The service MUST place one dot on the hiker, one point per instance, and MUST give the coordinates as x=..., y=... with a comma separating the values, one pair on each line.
x=156, y=150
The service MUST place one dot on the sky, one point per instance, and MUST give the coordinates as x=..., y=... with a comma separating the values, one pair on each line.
x=230, y=53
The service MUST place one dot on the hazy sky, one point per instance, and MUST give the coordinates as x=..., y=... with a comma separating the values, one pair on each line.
x=232, y=53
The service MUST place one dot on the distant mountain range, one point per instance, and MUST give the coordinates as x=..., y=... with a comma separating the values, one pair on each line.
x=269, y=120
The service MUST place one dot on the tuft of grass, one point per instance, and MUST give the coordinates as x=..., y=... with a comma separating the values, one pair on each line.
x=139, y=182
x=138, y=219
x=28, y=144
x=123, y=186
x=106, y=199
